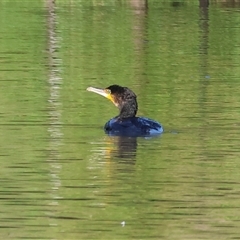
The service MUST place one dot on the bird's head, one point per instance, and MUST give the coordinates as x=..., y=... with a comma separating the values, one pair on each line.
x=121, y=97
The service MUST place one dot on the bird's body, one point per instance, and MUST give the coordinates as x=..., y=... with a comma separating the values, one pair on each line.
x=126, y=123
x=133, y=126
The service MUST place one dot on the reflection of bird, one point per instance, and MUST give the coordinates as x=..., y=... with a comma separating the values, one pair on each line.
x=126, y=123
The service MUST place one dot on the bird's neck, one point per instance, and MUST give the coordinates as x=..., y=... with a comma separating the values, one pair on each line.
x=129, y=109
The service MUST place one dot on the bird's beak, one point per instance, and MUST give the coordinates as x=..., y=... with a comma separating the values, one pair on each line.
x=103, y=92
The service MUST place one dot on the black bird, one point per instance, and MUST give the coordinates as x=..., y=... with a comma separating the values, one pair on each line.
x=126, y=123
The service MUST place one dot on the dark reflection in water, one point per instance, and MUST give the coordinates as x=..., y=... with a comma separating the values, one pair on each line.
x=230, y=4
x=177, y=4
x=203, y=41
x=126, y=148
x=204, y=4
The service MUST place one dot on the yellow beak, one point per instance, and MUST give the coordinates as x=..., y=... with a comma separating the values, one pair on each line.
x=102, y=92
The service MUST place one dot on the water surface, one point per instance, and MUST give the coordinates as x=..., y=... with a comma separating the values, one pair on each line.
x=62, y=177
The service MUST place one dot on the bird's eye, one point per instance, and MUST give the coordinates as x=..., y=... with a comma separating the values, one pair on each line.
x=108, y=91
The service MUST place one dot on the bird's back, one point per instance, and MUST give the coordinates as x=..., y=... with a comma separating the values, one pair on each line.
x=133, y=126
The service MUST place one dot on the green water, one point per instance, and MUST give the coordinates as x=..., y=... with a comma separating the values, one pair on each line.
x=62, y=177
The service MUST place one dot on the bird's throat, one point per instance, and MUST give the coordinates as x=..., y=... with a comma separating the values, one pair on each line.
x=129, y=109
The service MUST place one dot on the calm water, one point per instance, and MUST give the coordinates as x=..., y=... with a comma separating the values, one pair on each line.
x=62, y=177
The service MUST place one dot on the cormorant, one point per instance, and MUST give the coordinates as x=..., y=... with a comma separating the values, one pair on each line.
x=126, y=123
